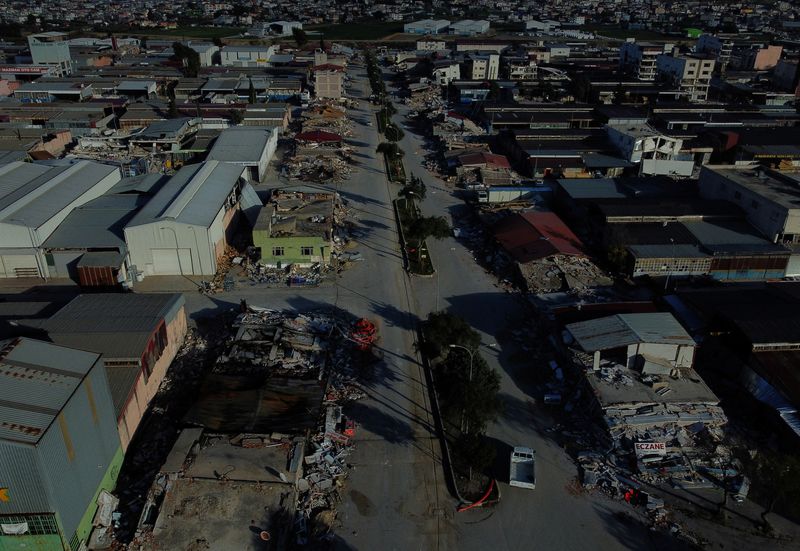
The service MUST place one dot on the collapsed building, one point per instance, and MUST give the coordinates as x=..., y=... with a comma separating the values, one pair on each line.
x=266, y=442
x=637, y=370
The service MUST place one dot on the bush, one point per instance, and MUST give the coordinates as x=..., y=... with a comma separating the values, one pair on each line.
x=474, y=451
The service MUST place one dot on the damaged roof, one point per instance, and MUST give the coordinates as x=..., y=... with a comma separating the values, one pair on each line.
x=533, y=235
x=626, y=329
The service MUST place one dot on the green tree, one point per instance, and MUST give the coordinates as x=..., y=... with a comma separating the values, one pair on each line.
x=779, y=476
x=236, y=116
x=390, y=149
x=442, y=329
x=189, y=58
x=414, y=188
x=300, y=37
x=427, y=226
x=218, y=42
x=475, y=451
x=393, y=132
x=469, y=391
x=251, y=93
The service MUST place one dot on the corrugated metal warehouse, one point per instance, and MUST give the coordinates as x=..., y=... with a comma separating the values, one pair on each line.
x=89, y=245
x=138, y=336
x=34, y=200
x=59, y=445
x=185, y=228
x=250, y=147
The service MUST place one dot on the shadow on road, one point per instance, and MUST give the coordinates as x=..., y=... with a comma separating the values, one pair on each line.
x=389, y=427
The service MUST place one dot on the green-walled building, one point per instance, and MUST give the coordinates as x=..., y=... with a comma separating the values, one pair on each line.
x=59, y=445
x=295, y=228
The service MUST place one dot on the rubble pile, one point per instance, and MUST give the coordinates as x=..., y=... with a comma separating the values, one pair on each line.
x=222, y=281
x=319, y=168
x=277, y=344
x=428, y=100
x=324, y=473
x=561, y=272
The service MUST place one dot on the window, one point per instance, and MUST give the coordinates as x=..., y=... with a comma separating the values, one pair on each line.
x=754, y=204
x=277, y=251
x=38, y=525
x=306, y=251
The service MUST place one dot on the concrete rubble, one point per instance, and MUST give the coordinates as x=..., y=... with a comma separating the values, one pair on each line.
x=560, y=272
x=284, y=345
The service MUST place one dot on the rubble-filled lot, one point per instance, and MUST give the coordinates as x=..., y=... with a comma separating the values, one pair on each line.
x=272, y=445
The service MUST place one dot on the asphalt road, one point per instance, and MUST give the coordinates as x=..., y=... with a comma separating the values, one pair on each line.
x=554, y=515
x=396, y=496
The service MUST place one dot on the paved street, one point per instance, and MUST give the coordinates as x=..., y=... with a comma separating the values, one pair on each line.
x=552, y=516
x=396, y=496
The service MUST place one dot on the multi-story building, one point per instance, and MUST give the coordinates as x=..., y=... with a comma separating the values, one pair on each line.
x=329, y=81
x=639, y=58
x=431, y=45
x=691, y=74
x=522, y=70
x=51, y=49
x=719, y=47
x=483, y=66
x=445, y=71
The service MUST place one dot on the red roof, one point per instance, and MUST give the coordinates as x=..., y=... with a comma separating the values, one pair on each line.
x=318, y=136
x=535, y=235
x=484, y=158
x=328, y=67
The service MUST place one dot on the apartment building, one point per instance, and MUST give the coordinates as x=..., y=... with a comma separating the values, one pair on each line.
x=639, y=58
x=689, y=73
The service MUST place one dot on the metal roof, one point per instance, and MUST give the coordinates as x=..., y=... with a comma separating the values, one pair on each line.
x=144, y=183
x=97, y=224
x=241, y=144
x=625, y=329
x=591, y=188
x=37, y=379
x=33, y=201
x=193, y=195
x=666, y=251
x=113, y=324
x=121, y=381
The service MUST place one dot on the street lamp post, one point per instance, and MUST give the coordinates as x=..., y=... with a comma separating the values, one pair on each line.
x=471, y=353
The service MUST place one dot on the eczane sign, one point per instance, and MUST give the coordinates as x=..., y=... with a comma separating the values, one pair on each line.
x=650, y=448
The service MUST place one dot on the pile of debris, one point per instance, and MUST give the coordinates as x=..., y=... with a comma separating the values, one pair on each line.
x=319, y=168
x=573, y=274
x=325, y=471
x=222, y=280
x=275, y=343
x=327, y=117
x=428, y=100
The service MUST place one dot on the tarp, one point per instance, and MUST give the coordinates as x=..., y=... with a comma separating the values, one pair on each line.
x=15, y=529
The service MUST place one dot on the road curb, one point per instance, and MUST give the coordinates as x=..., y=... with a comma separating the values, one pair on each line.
x=447, y=461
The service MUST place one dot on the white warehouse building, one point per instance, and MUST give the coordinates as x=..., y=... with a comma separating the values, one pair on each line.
x=34, y=200
x=186, y=227
x=250, y=147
